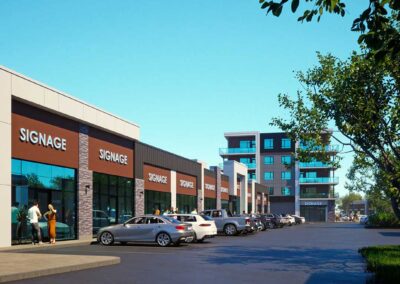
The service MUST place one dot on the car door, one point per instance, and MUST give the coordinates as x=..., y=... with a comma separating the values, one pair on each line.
x=217, y=217
x=151, y=228
x=132, y=230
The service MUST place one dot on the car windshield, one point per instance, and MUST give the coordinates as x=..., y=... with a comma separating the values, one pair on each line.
x=172, y=220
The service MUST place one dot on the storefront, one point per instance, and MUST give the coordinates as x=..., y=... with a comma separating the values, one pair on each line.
x=44, y=163
x=157, y=185
x=186, y=193
x=314, y=211
x=224, y=192
x=111, y=161
x=210, y=192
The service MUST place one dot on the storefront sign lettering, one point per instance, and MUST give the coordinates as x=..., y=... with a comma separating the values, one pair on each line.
x=113, y=157
x=210, y=186
x=43, y=139
x=186, y=184
x=158, y=178
x=313, y=203
x=224, y=189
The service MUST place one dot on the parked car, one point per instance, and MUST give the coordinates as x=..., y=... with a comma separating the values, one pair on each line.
x=284, y=221
x=265, y=222
x=299, y=219
x=202, y=228
x=290, y=220
x=148, y=228
x=255, y=222
x=363, y=219
x=226, y=223
x=345, y=218
x=275, y=220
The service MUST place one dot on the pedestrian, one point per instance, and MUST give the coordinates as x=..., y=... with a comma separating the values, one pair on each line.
x=157, y=211
x=34, y=215
x=50, y=216
x=194, y=211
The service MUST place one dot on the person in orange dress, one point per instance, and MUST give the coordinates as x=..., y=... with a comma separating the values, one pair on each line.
x=51, y=223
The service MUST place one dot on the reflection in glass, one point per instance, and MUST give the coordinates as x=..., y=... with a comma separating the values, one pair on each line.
x=47, y=184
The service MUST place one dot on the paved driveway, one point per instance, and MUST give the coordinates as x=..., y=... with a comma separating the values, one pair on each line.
x=310, y=253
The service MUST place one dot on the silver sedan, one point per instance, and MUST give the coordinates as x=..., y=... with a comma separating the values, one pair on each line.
x=149, y=228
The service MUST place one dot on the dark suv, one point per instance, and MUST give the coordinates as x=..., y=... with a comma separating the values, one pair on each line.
x=274, y=220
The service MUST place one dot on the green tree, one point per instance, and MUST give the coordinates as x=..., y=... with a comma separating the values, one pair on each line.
x=374, y=22
x=362, y=98
x=348, y=199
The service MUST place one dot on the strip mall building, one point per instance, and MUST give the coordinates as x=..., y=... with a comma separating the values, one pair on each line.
x=93, y=168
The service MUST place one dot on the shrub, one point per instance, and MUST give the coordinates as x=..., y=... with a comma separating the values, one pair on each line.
x=383, y=219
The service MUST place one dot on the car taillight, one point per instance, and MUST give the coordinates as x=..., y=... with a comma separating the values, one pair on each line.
x=180, y=228
x=205, y=225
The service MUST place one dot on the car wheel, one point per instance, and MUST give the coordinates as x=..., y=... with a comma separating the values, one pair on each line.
x=163, y=239
x=106, y=238
x=264, y=227
x=230, y=230
x=200, y=240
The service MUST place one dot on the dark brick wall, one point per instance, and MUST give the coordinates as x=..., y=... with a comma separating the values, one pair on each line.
x=85, y=186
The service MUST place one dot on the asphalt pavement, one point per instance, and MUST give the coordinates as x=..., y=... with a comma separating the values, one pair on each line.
x=309, y=253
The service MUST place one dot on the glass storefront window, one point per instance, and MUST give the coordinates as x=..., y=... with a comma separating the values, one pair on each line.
x=47, y=184
x=225, y=204
x=185, y=203
x=156, y=200
x=249, y=208
x=113, y=200
x=210, y=203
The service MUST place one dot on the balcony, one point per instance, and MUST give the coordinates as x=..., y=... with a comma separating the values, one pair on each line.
x=319, y=180
x=250, y=166
x=310, y=165
x=317, y=195
x=328, y=148
x=236, y=151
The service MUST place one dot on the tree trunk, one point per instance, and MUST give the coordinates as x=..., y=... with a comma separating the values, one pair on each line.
x=395, y=206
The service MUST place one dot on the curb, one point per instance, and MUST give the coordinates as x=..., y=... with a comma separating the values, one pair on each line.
x=60, y=244
x=57, y=270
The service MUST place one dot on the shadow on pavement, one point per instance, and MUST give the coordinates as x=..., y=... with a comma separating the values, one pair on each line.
x=309, y=260
x=390, y=234
x=337, y=277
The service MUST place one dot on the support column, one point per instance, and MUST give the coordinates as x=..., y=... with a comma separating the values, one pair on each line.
x=218, y=186
x=262, y=202
x=200, y=199
x=85, y=187
x=5, y=159
x=173, y=189
x=139, y=197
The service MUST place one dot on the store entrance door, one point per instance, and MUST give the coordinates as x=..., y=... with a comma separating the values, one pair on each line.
x=313, y=213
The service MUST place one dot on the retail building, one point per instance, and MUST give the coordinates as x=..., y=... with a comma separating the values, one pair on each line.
x=92, y=167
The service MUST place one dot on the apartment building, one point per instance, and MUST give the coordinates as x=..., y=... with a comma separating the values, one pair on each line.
x=306, y=189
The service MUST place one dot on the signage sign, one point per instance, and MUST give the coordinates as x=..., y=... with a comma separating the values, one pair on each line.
x=113, y=157
x=38, y=138
x=313, y=203
x=158, y=178
x=186, y=184
x=224, y=189
x=210, y=186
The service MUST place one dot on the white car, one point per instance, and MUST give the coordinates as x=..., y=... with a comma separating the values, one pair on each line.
x=290, y=219
x=299, y=219
x=203, y=228
x=363, y=219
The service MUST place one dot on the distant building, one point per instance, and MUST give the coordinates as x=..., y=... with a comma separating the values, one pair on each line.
x=306, y=189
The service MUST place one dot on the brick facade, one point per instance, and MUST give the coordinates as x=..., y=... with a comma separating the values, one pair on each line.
x=139, y=196
x=85, y=186
x=218, y=188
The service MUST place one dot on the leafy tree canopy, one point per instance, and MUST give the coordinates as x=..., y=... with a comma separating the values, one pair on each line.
x=377, y=33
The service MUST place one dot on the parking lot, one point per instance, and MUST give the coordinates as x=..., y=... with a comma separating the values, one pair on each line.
x=309, y=253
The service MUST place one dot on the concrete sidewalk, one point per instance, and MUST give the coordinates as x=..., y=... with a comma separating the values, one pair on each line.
x=18, y=266
x=30, y=247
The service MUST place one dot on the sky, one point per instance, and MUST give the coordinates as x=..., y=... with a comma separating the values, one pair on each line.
x=185, y=71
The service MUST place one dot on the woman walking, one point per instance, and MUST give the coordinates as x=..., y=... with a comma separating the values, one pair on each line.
x=51, y=223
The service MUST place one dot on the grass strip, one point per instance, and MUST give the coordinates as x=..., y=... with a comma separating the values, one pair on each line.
x=384, y=261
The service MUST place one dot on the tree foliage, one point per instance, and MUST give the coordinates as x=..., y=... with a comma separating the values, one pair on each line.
x=362, y=98
x=347, y=200
x=377, y=32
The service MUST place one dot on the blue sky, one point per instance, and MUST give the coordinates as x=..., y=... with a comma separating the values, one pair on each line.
x=185, y=71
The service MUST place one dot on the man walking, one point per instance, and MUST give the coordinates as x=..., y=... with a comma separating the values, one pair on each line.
x=34, y=215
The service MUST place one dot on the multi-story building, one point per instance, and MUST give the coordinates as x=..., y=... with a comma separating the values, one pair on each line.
x=305, y=189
